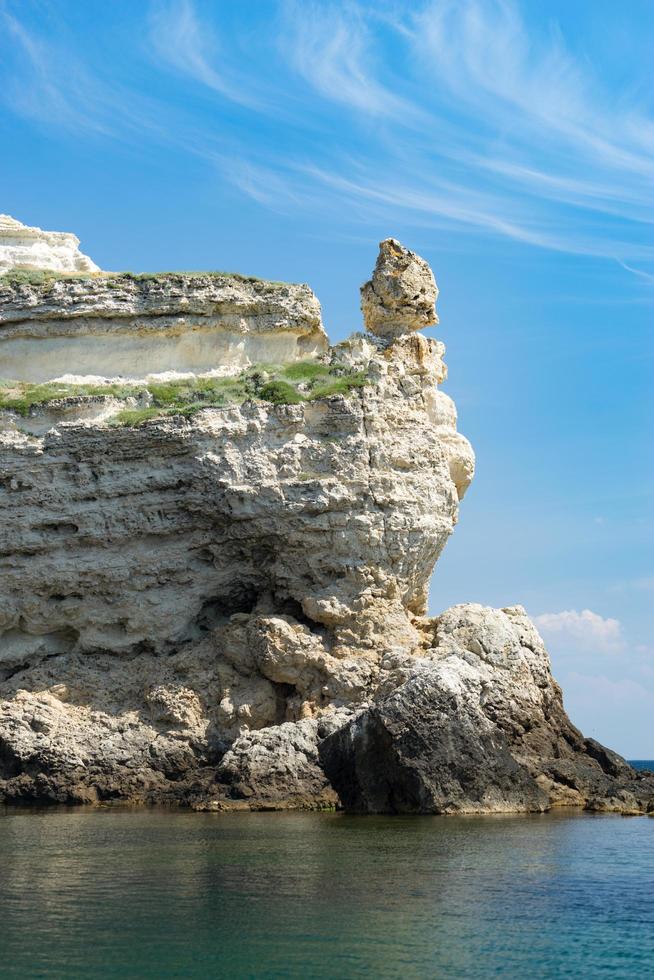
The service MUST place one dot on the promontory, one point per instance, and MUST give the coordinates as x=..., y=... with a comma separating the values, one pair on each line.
x=217, y=534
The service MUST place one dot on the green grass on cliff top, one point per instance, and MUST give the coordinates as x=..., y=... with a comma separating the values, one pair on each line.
x=289, y=384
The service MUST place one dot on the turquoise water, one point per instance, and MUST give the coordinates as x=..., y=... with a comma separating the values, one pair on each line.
x=138, y=893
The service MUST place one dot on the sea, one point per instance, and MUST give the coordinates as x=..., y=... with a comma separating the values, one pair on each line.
x=132, y=893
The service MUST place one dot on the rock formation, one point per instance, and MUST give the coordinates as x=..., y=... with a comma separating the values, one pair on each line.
x=22, y=247
x=401, y=296
x=145, y=326
x=226, y=607
x=477, y=726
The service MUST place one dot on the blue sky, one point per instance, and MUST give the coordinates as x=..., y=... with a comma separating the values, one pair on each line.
x=510, y=143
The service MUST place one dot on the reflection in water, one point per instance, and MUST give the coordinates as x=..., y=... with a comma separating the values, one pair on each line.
x=143, y=893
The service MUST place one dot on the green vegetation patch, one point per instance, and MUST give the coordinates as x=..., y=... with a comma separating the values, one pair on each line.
x=280, y=393
x=39, y=277
x=220, y=391
x=339, y=386
x=133, y=416
x=289, y=384
x=22, y=397
x=306, y=370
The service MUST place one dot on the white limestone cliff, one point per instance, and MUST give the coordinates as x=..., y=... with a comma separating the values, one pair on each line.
x=228, y=608
x=25, y=248
x=134, y=327
x=401, y=296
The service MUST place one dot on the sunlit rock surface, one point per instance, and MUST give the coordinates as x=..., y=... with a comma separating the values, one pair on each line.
x=137, y=326
x=401, y=296
x=25, y=248
x=228, y=610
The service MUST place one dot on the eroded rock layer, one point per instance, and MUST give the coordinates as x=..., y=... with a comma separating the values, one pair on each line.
x=136, y=326
x=229, y=609
x=22, y=247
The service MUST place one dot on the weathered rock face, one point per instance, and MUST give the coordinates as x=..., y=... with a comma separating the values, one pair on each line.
x=478, y=726
x=22, y=247
x=171, y=594
x=401, y=296
x=142, y=326
x=337, y=507
x=228, y=610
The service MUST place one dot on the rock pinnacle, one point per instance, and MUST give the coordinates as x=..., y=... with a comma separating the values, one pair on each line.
x=401, y=295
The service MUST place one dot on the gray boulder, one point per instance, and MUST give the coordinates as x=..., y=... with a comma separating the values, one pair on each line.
x=478, y=726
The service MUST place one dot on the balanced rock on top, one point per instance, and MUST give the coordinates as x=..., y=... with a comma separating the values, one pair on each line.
x=401, y=296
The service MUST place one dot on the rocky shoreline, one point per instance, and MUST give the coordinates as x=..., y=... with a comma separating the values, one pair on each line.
x=226, y=608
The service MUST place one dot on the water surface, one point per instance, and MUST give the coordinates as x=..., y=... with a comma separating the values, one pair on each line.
x=157, y=893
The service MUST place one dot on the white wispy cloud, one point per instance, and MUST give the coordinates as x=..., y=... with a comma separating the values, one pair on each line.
x=32, y=80
x=519, y=120
x=483, y=54
x=647, y=276
x=192, y=47
x=584, y=631
x=332, y=48
x=450, y=114
x=46, y=80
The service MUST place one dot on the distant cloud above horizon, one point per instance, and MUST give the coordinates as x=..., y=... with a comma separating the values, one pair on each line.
x=476, y=117
x=585, y=631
